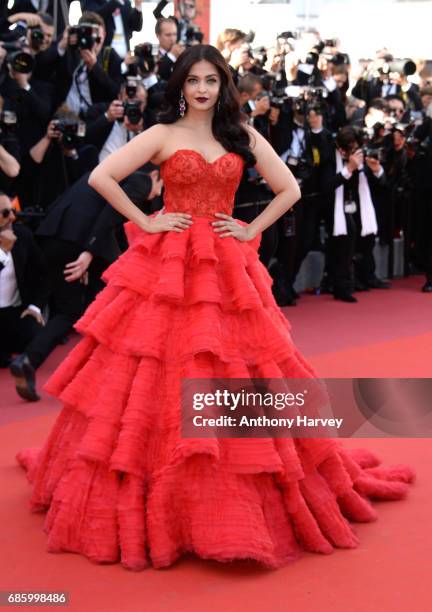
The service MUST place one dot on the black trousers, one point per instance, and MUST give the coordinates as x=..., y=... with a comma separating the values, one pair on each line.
x=67, y=301
x=16, y=333
x=423, y=231
x=297, y=233
x=350, y=255
x=269, y=236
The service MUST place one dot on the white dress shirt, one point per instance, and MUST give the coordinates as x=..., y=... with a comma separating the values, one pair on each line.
x=118, y=137
x=172, y=57
x=9, y=292
x=119, y=38
x=74, y=100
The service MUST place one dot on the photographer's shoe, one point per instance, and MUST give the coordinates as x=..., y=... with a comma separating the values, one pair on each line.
x=24, y=374
x=427, y=287
x=377, y=283
x=345, y=297
x=359, y=286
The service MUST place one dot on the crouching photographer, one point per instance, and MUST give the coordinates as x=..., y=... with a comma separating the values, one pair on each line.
x=351, y=176
x=78, y=240
x=22, y=295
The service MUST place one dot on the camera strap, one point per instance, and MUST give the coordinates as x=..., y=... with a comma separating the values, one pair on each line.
x=105, y=59
x=79, y=71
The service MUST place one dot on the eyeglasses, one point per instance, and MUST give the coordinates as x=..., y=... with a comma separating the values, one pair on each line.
x=5, y=213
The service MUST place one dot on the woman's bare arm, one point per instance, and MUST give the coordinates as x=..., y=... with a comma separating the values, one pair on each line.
x=280, y=180
x=106, y=176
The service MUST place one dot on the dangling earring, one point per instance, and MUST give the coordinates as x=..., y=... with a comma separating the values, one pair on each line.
x=182, y=105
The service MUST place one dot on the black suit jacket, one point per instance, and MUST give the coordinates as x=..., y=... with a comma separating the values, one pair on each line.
x=82, y=216
x=132, y=19
x=331, y=180
x=104, y=84
x=368, y=90
x=165, y=67
x=33, y=108
x=29, y=266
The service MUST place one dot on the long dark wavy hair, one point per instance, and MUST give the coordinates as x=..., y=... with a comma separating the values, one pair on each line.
x=228, y=120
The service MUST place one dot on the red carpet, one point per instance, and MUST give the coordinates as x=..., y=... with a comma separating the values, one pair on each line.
x=388, y=333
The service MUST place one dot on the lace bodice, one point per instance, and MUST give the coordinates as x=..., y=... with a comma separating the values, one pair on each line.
x=196, y=186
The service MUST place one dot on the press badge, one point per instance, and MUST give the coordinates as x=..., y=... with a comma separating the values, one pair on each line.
x=350, y=207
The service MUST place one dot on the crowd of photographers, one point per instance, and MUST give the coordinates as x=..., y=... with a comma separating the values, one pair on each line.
x=69, y=96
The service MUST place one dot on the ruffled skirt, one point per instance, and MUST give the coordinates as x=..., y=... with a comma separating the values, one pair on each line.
x=117, y=480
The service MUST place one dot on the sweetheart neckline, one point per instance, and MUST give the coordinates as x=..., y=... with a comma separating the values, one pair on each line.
x=200, y=155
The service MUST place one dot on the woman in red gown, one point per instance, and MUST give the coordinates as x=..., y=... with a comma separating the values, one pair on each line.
x=190, y=299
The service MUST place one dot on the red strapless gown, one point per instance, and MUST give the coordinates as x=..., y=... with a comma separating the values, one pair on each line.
x=115, y=477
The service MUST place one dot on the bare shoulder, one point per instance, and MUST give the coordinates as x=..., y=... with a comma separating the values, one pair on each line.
x=158, y=132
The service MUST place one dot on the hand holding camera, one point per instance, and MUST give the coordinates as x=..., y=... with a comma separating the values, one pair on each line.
x=86, y=38
x=355, y=160
x=89, y=57
x=373, y=163
x=53, y=132
x=262, y=105
x=177, y=49
x=115, y=111
x=32, y=20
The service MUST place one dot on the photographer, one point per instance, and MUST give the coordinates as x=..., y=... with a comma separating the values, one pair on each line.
x=56, y=161
x=110, y=128
x=253, y=194
x=88, y=72
x=78, y=240
x=166, y=31
x=22, y=269
x=29, y=97
x=351, y=177
x=397, y=109
x=121, y=20
x=228, y=40
x=255, y=103
x=385, y=77
x=142, y=64
x=305, y=145
x=400, y=190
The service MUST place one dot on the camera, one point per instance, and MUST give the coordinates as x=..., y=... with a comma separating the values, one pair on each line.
x=145, y=62
x=132, y=110
x=73, y=130
x=131, y=87
x=19, y=60
x=373, y=152
x=87, y=36
x=36, y=37
x=193, y=35
x=330, y=42
x=307, y=98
